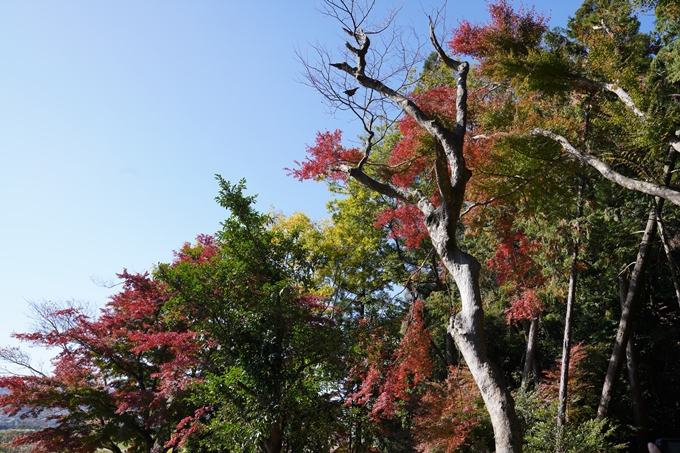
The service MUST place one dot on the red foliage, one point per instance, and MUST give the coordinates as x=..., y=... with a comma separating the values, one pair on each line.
x=447, y=413
x=413, y=156
x=410, y=364
x=404, y=222
x=517, y=270
x=579, y=384
x=325, y=157
x=508, y=34
x=107, y=377
x=188, y=427
x=204, y=250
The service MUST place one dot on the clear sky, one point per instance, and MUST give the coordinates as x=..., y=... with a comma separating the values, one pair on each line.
x=114, y=117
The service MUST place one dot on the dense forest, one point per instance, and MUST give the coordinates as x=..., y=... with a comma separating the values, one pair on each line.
x=498, y=271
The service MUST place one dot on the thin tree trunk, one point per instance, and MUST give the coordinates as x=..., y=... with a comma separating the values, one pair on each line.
x=633, y=378
x=566, y=342
x=623, y=333
x=634, y=287
x=671, y=262
x=530, y=356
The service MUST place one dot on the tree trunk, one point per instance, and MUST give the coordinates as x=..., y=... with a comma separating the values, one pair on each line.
x=274, y=442
x=623, y=333
x=566, y=346
x=530, y=356
x=634, y=287
x=467, y=329
x=633, y=378
x=451, y=175
x=566, y=342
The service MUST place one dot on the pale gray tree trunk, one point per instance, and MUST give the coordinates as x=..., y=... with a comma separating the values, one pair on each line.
x=530, y=368
x=566, y=342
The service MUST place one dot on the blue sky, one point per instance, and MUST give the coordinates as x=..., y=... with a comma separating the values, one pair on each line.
x=114, y=117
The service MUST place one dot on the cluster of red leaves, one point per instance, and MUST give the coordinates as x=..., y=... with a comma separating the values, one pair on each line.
x=124, y=366
x=517, y=270
x=411, y=162
x=315, y=310
x=413, y=156
x=385, y=383
x=447, y=413
x=507, y=34
x=404, y=222
x=579, y=383
x=204, y=250
x=325, y=157
x=188, y=427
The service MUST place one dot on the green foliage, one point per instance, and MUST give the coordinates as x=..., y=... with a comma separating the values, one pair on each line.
x=540, y=429
x=272, y=349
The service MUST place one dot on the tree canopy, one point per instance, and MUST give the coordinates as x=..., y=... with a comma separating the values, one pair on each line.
x=497, y=252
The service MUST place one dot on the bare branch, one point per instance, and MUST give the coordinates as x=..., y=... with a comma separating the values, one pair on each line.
x=617, y=90
x=19, y=358
x=448, y=61
x=388, y=189
x=609, y=173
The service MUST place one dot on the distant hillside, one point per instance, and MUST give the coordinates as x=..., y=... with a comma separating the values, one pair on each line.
x=7, y=422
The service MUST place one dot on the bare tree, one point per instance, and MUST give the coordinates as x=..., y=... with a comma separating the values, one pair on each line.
x=381, y=71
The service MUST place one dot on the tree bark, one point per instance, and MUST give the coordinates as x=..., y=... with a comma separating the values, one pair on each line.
x=274, y=443
x=633, y=378
x=566, y=342
x=467, y=330
x=566, y=348
x=671, y=263
x=623, y=333
x=634, y=288
x=656, y=190
x=530, y=356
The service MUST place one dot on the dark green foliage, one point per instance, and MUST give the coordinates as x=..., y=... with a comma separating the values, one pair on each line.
x=272, y=349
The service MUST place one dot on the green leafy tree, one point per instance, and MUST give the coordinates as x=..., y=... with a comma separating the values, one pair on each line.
x=272, y=349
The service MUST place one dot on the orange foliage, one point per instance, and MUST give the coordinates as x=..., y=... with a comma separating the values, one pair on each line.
x=447, y=413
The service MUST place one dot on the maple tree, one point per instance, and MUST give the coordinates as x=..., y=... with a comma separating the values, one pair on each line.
x=509, y=176
x=117, y=381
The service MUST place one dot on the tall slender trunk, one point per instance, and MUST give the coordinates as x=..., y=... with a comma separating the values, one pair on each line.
x=530, y=356
x=634, y=287
x=566, y=345
x=623, y=333
x=671, y=263
x=633, y=378
x=566, y=342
